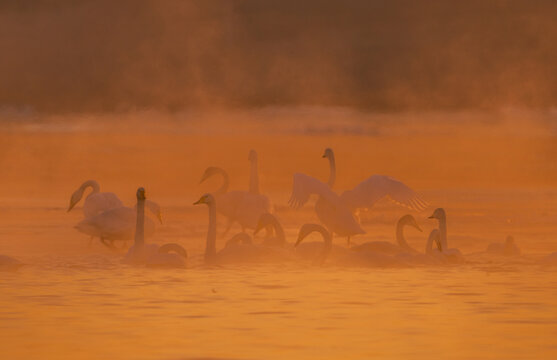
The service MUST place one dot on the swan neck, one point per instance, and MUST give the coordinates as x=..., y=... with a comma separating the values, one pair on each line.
x=140, y=224
x=93, y=185
x=279, y=231
x=332, y=171
x=401, y=241
x=211, y=245
x=225, y=182
x=254, y=177
x=443, y=232
x=429, y=245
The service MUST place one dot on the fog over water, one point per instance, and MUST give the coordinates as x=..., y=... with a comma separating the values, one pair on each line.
x=456, y=99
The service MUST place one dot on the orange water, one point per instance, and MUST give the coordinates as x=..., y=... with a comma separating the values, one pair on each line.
x=76, y=300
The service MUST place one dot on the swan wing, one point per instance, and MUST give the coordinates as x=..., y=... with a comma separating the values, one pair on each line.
x=376, y=187
x=99, y=202
x=304, y=186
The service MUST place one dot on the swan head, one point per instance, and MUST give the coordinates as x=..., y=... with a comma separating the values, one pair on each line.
x=438, y=214
x=328, y=153
x=252, y=155
x=264, y=220
x=76, y=196
x=210, y=171
x=205, y=199
x=140, y=194
x=307, y=229
x=409, y=220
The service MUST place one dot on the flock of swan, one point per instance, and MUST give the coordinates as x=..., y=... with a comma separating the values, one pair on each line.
x=107, y=218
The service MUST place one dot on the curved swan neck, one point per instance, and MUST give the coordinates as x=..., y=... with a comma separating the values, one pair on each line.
x=254, y=176
x=279, y=230
x=92, y=184
x=332, y=170
x=401, y=241
x=225, y=181
x=140, y=223
x=443, y=232
x=211, y=245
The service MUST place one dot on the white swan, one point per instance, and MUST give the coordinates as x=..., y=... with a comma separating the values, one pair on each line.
x=452, y=253
x=96, y=202
x=337, y=212
x=508, y=248
x=118, y=223
x=387, y=247
x=315, y=251
x=8, y=263
x=243, y=207
x=168, y=255
x=238, y=252
x=267, y=220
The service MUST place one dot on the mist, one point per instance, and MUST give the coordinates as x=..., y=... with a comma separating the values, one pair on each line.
x=103, y=56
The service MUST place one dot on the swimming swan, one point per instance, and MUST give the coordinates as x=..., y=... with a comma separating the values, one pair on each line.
x=8, y=263
x=508, y=248
x=151, y=255
x=336, y=212
x=454, y=254
x=118, y=223
x=96, y=202
x=387, y=247
x=240, y=252
x=318, y=252
x=243, y=207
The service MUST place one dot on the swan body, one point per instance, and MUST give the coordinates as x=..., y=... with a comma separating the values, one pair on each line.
x=336, y=212
x=389, y=248
x=118, y=223
x=508, y=248
x=243, y=207
x=236, y=252
x=151, y=255
x=267, y=220
x=96, y=202
x=8, y=263
x=317, y=252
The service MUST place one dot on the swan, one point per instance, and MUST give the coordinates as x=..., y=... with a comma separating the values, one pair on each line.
x=336, y=212
x=452, y=254
x=267, y=220
x=8, y=263
x=387, y=247
x=508, y=248
x=96, y=202
x=243, y=207
x=118, y=223
x=237, y=252
x=318, y=252
x=167, y=255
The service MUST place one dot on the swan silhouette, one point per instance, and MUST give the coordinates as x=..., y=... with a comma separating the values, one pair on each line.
x=8, y=263
x=118, y=223
x=243, y=207
x=236, y=252
x=389, y=248
x=451, y=253
x=336, y=212
x=508, y=248
x=151, y=255
x=96, y=202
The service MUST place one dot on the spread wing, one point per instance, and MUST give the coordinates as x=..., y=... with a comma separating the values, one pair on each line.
x=304, y=186
x=376, y=187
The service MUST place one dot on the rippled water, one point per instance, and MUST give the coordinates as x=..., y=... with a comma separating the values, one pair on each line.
x=75, y=300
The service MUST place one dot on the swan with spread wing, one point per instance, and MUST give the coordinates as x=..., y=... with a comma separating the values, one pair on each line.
x=336, y=212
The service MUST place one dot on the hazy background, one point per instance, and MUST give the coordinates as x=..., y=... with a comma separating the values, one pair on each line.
x=96, y=55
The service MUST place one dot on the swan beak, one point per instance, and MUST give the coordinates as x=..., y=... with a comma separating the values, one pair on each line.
x=159, y=216
x=71, y=207
x=431, y=217
x=419, y=228
x=200, y=201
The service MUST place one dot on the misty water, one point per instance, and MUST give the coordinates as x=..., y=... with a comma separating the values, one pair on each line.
x=75, y=299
